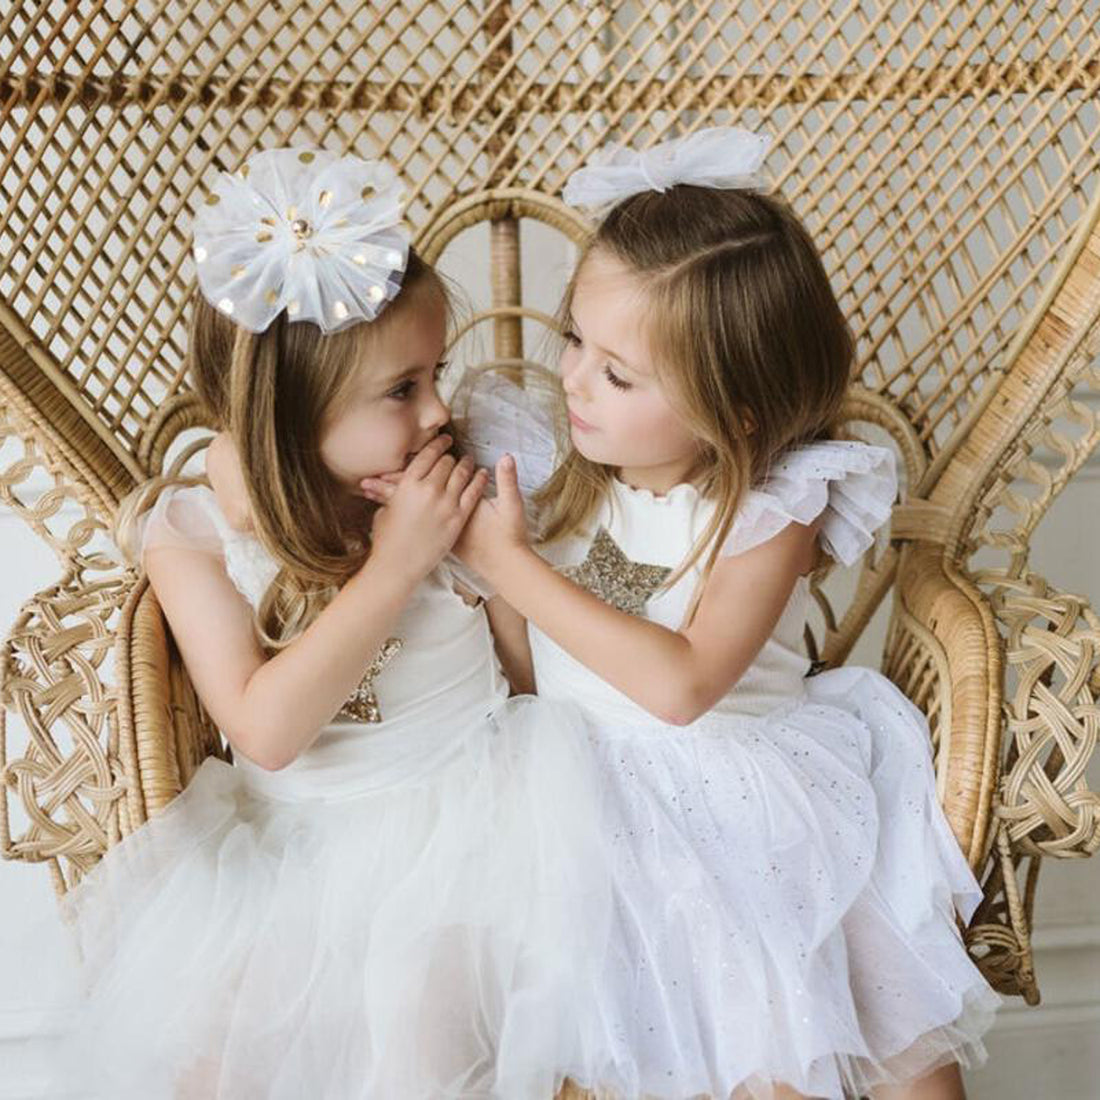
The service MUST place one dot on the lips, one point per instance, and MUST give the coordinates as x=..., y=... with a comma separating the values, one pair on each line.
x=578, y=422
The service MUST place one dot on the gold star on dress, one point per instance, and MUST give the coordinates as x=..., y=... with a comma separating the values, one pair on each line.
x=363, y=704
x=608, y=573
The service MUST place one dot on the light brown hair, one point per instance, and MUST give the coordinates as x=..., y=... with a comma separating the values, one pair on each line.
x=746, y=338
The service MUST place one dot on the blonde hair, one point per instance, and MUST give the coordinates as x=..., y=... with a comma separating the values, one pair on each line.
x=272, y=392
x=746, y=337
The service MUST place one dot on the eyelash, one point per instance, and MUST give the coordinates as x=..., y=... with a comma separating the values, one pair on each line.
x=574, y=340
x=404, y=391
x=615, y=380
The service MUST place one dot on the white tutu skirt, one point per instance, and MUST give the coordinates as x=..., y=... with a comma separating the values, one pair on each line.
x=785, y=892
x=422, y=937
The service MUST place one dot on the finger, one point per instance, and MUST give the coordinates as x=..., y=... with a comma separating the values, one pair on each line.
x=460, y=475
x=377, y=488
x=508, y=495
x=426, y=458
x=473, y=493
x=441, y=471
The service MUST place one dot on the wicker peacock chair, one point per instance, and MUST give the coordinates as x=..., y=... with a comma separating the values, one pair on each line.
x=944, y=156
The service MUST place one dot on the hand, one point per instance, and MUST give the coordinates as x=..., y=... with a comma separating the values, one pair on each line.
x=426, y=509
x=497, y=528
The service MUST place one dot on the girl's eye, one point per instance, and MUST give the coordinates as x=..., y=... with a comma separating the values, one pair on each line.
x=615, y=380
x=571, y=337
x=403, y=390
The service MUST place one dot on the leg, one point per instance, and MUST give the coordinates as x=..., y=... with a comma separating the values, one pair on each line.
x=944, y=1083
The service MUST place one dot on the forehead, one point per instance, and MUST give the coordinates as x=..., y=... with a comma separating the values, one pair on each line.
x=414, y=334
x=609, y=306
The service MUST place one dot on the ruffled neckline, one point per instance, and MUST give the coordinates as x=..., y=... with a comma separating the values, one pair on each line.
x=682, y=491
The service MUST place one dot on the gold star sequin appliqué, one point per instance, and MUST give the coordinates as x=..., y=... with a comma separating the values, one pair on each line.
x=608, y=573
x=363, y=704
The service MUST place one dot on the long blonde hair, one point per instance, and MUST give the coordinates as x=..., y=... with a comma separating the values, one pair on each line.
x=746, y=337
x=272, y=391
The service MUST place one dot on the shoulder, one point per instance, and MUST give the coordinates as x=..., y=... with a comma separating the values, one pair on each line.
x=186, y=533
x=184, y=517
x=223, y=471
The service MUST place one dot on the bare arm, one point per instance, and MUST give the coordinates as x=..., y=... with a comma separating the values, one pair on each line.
x=512, y=645
x=273, y=708
x=677, y=675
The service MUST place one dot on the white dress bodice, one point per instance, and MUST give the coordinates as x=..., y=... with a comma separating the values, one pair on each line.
x=661, y=530
x=849, y=485
x=442, y=674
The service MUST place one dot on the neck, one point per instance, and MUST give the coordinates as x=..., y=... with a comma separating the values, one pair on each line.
x=657, y=479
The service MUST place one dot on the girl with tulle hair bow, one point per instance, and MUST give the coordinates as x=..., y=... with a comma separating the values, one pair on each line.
x=380, y=896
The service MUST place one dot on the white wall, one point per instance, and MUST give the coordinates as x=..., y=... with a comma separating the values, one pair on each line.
x=1050, y=1051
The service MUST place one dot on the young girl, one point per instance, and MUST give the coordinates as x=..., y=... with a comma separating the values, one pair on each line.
x=784, y=876
x=382, y=898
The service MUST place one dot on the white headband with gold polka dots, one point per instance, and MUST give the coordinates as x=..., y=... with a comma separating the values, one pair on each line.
x=304, y=230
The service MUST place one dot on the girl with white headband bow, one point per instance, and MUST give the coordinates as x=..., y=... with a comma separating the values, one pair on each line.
x=382, y=897
x=785, y=880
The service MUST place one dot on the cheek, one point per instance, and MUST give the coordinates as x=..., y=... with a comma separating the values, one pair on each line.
x=652, y=428
x=361, y=444
x=648, y=417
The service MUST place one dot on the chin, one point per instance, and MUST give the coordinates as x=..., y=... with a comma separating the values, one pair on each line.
x=582, y=443
x=599, y=455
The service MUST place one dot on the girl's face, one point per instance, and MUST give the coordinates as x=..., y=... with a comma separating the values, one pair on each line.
x=619, y=415
x=392, y=409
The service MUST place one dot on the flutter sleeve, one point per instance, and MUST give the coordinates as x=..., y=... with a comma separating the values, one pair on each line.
x=495, y=416
x=187, y=517
x=183, y=517
x=851, y=485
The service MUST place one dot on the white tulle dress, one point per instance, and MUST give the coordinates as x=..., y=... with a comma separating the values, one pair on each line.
x=785, y=881
x=406, y=911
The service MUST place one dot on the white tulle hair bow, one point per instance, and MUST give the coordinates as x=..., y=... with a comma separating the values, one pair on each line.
x=304, y=230
x=719, y=156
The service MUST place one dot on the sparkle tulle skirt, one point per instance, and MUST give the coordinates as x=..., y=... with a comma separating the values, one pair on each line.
x=420, y=934
x=785, y=894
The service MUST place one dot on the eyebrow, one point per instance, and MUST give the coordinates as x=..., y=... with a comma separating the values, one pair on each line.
x=605, y=351
x=408, y=372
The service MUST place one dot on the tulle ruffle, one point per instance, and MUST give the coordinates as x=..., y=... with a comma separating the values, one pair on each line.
x=785, y=893
x=426, y=940
x=496, y=417
x=851, y=485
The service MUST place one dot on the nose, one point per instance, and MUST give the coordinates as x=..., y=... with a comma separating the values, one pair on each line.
x=434, y=414
x=573, y=376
